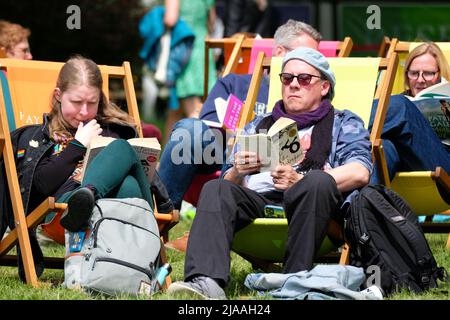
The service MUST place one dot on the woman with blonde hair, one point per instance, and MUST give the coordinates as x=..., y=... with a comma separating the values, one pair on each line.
x=431, y=59
x=409, y=141
x=49, y=156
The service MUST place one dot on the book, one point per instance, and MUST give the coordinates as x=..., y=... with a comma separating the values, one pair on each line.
x=280, y=145
x=147, y=149
x=228, y=112
x=434, y=103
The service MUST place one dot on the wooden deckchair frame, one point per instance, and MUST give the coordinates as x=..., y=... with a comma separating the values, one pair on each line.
x=438, y=175
x=382, y=93
x=23, y=222
x=242, y=46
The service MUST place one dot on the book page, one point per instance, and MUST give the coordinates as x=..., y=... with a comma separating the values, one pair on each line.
x=258, y=143
x=437, y=112
x=439, y=89
x=286, y=145
x=148, y=150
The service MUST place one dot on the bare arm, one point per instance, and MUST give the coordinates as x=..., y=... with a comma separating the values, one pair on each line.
x=348, y=176
x=172, y=12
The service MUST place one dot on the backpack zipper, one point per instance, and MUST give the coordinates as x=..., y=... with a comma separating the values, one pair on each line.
x=149, y=273
x=97, y=226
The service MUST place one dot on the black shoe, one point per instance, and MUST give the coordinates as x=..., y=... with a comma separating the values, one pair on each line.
x=79, y=210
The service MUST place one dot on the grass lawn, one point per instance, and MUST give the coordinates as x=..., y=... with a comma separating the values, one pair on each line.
x=12, y=289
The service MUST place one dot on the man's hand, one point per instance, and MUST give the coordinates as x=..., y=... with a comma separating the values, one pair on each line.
x=245, y=163
x=86, y=132
x=284, y=176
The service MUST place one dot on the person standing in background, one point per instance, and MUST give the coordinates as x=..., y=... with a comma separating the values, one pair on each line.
x=200, y=16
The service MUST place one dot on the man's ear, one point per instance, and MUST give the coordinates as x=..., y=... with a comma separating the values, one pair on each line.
x=326, y=87
x=57, y=94
x=279, y=51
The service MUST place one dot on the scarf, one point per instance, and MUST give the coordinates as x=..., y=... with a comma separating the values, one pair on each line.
x=322, y=118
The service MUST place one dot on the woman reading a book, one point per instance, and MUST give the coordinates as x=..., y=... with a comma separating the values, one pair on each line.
x=337, y=161
x=409, y=141
x=50, y=156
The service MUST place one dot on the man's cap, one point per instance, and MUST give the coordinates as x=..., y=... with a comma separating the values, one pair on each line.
x=315, y=59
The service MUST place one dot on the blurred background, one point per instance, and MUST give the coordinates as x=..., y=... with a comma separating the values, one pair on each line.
x=109, y=28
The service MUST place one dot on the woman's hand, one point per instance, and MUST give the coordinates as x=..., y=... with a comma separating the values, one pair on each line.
x=284, y=176
x=86, y=132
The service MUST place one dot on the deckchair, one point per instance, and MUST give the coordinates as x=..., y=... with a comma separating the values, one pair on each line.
x=25, y=95
x=427, y=192
x=263, y=241
x=240, y=53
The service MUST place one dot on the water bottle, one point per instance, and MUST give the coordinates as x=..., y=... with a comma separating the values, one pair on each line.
x=162, y=273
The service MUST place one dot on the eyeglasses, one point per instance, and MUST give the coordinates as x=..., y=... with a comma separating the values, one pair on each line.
x=303, y=79
x=426, y=75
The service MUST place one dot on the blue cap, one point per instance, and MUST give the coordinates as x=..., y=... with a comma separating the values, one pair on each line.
x=315, y=59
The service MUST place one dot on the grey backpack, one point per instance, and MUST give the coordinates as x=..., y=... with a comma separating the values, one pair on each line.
x=119, y=253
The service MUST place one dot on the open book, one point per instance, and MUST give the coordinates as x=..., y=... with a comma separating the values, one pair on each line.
x=147, y=149
x=434, y=103
x=280, y=145
x=228, y=112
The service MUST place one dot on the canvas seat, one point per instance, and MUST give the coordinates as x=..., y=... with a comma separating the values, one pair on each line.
x=263, y=241
x=427, y=192
x=26, y=89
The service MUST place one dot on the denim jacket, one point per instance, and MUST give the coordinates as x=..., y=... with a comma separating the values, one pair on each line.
x=350, y=142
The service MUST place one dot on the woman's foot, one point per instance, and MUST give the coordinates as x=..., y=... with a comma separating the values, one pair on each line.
x=79, y=210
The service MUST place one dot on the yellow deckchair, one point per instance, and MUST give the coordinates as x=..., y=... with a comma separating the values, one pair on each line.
x=263, y=241
x=25, y=92
x=427, y=192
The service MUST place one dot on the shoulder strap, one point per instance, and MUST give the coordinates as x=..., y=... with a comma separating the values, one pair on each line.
x=380, y=199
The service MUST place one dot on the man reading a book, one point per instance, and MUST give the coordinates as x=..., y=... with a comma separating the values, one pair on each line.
x=289, y=36
x=337, y=161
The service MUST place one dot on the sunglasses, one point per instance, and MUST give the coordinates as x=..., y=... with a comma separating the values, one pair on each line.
x=426, y=75
x=303, y=79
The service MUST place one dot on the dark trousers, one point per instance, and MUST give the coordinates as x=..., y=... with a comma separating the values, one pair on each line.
x=225, y=208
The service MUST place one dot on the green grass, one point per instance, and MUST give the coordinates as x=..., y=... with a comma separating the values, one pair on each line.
x=12, y=289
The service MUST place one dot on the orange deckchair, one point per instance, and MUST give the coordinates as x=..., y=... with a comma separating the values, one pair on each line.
x=26, y=90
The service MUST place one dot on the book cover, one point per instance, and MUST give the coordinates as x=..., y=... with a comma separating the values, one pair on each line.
x=147, y=149
x=228, y=112
x=434, y=103
x=280, y=145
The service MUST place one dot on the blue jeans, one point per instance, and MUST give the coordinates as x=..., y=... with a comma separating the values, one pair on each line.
x=409, y=142
x=184, y=156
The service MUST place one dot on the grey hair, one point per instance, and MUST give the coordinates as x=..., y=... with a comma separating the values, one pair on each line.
x=292, y=29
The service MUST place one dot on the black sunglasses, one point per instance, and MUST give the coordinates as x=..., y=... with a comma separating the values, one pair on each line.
x=303, y=79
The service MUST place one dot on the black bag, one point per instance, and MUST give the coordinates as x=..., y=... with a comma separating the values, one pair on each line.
x=382, y=230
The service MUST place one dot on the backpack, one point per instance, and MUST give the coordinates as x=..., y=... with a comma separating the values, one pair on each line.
x=118, y=253
x=382, y=231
